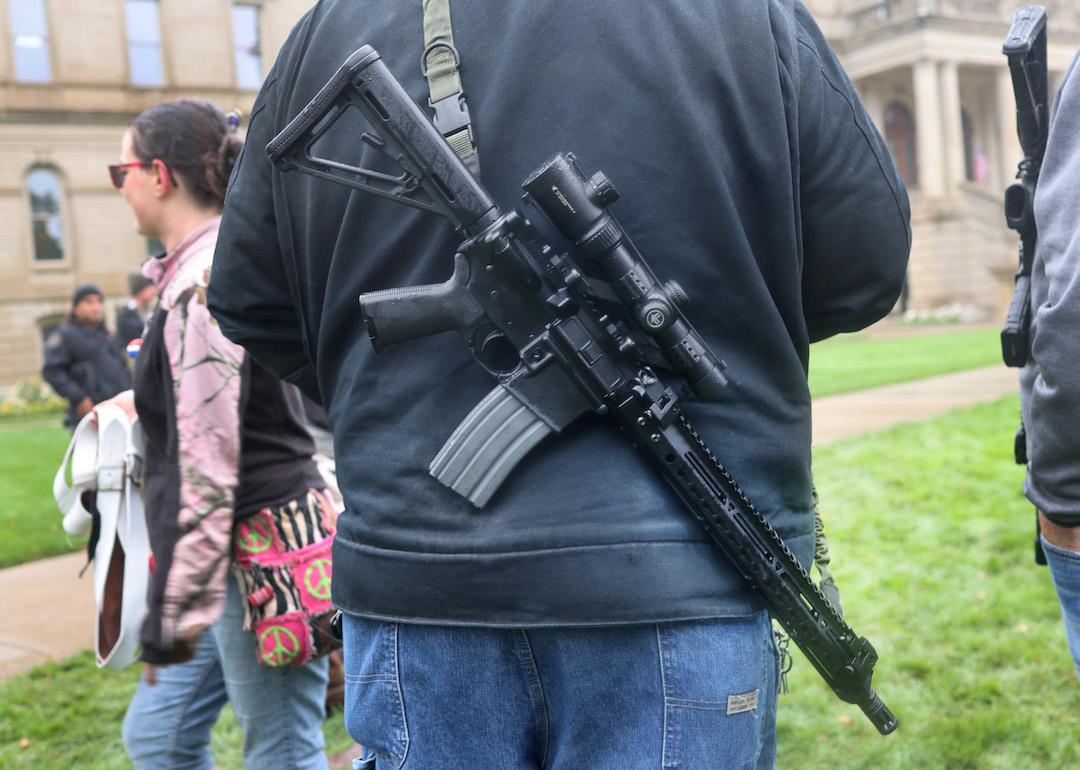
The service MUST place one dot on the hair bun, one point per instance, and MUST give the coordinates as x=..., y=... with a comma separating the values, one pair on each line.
x=219, y=165
x=196, y=140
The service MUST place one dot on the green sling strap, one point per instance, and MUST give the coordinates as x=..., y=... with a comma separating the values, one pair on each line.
x=822, y=558
x=440, y=64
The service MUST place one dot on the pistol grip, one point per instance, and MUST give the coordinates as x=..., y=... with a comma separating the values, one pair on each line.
x=399, y=315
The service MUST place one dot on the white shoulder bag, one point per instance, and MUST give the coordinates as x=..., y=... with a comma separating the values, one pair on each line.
x=104, y=501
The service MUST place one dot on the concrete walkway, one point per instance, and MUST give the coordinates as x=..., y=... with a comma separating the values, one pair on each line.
x=866, y=411
x=48, y=614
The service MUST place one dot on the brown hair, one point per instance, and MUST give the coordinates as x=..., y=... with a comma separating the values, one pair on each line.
x=197, y=143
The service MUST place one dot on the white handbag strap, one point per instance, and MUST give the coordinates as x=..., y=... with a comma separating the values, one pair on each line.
x=81, y=453
x=123, y=525
x=105, y=456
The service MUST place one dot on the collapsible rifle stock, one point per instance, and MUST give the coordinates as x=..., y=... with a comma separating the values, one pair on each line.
x=564, y=334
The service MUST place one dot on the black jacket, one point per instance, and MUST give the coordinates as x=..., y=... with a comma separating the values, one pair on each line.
x=81, y=361
x=129, y=326
x=749, y=172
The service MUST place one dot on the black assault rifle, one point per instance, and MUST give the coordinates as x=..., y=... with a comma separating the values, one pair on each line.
x=562, y=342
x=1025, y=46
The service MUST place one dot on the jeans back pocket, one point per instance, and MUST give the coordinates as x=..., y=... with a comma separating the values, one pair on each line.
x=719, y=680
x=374, y=708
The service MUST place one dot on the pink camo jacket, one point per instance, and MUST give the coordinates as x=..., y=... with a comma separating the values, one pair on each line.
x=206, y=375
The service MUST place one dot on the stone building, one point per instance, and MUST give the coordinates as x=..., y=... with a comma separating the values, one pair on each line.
x=73, y=73
x=934, y=80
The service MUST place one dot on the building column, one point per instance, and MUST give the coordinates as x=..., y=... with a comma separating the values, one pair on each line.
x=928, y=135
x=953, y=125
x=988, y=121
x=870, y=94
x=1011, y=154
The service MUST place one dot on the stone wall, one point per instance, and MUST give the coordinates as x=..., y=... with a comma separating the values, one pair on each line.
x=73, y=125
x=959, y=253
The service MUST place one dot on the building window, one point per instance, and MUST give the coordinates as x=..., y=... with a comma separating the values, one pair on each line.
x=50, y=323
x=31, y=41
x=43, y=186
x=248, y=45
x=144, y=43
x=900, y=138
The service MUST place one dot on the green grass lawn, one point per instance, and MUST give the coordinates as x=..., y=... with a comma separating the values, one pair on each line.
x=30, y=453
x=68, y=715
x=932, y=546
x=857, y=361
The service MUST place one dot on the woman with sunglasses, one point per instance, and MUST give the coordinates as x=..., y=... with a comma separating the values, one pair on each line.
x=225, y=445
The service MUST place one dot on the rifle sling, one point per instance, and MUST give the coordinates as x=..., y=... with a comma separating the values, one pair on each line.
x=440, y=64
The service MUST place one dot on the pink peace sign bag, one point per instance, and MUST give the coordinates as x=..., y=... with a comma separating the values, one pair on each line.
x=281, y=560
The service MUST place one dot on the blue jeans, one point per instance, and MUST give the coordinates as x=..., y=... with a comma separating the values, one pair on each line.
x=1065, y=569
x=281, y=711
x=689, y=695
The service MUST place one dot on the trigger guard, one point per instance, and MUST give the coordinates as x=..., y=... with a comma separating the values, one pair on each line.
x=495, y=352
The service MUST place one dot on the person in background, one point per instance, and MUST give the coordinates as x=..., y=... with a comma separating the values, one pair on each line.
x=1050, y=383
x=82, y=361
x=228, y=476
x=131, y=319
x=319, y=428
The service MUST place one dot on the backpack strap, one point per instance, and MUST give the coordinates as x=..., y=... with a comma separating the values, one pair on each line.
x=440, y=64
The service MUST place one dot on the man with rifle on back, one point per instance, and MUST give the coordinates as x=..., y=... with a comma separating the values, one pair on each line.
x=1042, y=333
x=580, y=618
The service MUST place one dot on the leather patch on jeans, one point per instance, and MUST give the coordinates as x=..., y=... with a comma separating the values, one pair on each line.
x=737, y=704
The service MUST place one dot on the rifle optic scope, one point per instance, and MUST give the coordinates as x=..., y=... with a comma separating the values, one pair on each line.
x=578, y=208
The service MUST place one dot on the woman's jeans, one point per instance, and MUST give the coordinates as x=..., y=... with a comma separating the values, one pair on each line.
x=281, y=711
x=1065, y=569
x=692, y=695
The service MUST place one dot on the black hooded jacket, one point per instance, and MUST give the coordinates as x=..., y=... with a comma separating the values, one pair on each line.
x=83, y=360
x=748, y=171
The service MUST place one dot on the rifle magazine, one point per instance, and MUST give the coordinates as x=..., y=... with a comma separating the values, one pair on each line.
x=487, y=445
